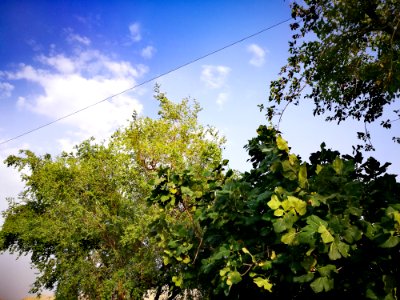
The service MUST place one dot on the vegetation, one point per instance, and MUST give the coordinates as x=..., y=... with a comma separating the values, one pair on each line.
x=345, y=57
x=286, y=229
x=83, y=215
x=156, y=208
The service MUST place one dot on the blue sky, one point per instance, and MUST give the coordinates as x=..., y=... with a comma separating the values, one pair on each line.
x=57, y=57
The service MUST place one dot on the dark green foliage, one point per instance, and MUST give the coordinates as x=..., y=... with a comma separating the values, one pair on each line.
x=345, y=57
x=286, y=229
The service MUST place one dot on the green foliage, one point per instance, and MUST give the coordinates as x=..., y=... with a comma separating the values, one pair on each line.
x=345, y=57
x=83, y=215
x=286, y=229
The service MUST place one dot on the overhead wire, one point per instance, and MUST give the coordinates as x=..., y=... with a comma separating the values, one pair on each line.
x=147, y=81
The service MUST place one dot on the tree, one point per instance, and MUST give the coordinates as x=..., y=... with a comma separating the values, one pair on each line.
x=345, y=56
x=83, y=215
x=287, y=229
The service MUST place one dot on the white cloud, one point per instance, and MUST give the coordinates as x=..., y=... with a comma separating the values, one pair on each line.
x=72, y=37
x=214, y=76
x=134, y=30
x=5, y=89
x=21, y=102
x=258, y=55
x=222, y=98
x=148, y=52
x=72, y=83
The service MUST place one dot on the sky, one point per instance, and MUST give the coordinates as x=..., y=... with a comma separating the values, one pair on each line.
x=57, y=57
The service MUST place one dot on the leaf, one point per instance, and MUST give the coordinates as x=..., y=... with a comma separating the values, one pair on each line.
x=289, y=237
x=338, y=249
x=390, y=242
x=304, y=278
x=303, y=182
x=279, y=212
x=264, y=283
x=282, y=144
x=322, y=284
x=325, y=234
x=338, y=165
x=274, y=203
x=352, y=234
x=326, y=271
x=246, y=251
x=233, y=278
x=177, y=280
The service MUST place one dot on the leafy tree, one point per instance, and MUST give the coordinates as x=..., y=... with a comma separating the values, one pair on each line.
x=287, y=229
x=345, y=56
x=83, y=216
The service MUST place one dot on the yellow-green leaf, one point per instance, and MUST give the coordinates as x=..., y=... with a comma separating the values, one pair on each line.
x=289, y=237
x=325, y=234
x=177, y=280
x=264, y=283
x=279, y=212
x=274, y=203
x=338, y=165
x=282, y=144
x=303, y=182
x=233, y=278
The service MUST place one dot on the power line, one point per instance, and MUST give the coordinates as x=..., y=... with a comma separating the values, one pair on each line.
x=147, y=81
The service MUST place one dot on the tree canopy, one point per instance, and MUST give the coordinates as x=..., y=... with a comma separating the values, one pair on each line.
x=345, y=57
x=83, y=215
x=157, y=208
x=286, y=229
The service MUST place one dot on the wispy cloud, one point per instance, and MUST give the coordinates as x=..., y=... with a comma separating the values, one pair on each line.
x=79, y=38
x=5, y=89
x=214, y=76
x=134, y=30
x=70, y=83
x=222, y=98
x=258, y=55
x=148, y=52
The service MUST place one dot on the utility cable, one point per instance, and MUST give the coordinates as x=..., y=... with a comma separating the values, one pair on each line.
x=147, y=81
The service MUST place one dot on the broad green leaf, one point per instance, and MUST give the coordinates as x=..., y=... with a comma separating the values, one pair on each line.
x=304, y=278
x=291, y=202
x=279, y=225
x=303, y=182
x=319, y=169
x=322, y=284
x=177, y=280
x=279, y=212
x=390, y=242
x=166, y=260
x=274, y=203
x=233, y=278
x=326, y=271
x=338, y=249
x=282, y=144
x=338, y=165
x=223, y=271
x=352, y=234
x=289, y=237
x=396, y=216
x=325, y=234
x=264, y=283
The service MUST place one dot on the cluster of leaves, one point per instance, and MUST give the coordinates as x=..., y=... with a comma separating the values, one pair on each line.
x=345, y=56
x=83, y=215
x=287, y=229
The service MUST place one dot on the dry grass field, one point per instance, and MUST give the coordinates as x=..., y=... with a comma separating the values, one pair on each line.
x=43, y=297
